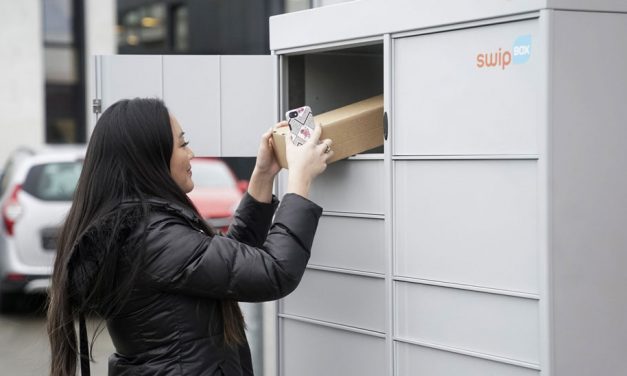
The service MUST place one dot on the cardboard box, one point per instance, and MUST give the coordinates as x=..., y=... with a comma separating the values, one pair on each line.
x=354, y=129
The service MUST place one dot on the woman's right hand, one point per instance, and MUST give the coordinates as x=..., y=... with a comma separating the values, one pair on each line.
x=307, y=161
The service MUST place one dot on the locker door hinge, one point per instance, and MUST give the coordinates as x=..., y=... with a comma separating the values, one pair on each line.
x=385, y=125
x=96, y=106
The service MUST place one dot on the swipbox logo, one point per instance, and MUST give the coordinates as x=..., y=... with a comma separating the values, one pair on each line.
x=502, y=58
x=521, y=49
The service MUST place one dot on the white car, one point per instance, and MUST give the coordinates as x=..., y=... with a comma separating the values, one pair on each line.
x=36, y=192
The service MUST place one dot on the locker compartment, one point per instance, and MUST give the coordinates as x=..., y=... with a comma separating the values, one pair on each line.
x=485, y=323
x=418, y=360
x=144, y=72
x=313, y=350
x=350, y=186
x=332, y=79
x=468, y=221
x=350, y=243
x=248, y=107
x=350, y=300
x=449, y=102
x=194, y=99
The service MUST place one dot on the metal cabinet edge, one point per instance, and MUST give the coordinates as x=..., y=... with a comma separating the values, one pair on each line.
x=367, y=18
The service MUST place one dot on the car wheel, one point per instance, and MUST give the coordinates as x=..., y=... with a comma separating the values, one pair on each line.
x=9, y=301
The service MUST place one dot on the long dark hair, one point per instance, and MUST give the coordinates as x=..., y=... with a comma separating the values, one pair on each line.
x=128, y=158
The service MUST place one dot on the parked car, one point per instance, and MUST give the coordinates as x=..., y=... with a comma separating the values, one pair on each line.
x=217, y=192
x=36, y=192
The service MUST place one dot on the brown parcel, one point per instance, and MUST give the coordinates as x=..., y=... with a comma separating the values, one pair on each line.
x=354, y=129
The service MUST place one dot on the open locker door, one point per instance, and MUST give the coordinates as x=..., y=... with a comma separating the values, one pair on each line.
x=224, y=103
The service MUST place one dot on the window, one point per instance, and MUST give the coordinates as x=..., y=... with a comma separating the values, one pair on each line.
x=296, y=5
x=64, y=71
x=143, y=28
x=53, y=181
x=180, y=28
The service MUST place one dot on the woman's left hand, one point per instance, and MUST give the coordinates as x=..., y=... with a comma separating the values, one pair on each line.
x=267, y=164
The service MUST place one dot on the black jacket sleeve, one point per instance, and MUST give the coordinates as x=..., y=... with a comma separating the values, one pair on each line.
x=252, y=220
x=181, y=259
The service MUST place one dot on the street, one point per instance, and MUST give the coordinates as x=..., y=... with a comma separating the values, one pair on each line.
x=24, y=348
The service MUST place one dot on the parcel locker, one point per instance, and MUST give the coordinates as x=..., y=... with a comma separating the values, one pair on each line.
x=224, y=103
x=494, y=259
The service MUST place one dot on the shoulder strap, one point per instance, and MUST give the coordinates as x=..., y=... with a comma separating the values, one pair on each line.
x=84, y=345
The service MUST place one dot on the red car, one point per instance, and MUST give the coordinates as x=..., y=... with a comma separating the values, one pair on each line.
x=217, y=192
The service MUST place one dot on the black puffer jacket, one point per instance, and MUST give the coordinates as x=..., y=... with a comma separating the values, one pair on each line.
x=171, y=324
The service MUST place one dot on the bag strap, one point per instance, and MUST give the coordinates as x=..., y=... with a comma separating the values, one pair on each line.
x=84, y=345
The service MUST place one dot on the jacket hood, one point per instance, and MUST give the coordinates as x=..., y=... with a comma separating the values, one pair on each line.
x=101, y=255
x=95, y=256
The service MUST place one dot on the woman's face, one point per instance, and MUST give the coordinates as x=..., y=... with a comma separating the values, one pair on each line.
x=180, y=167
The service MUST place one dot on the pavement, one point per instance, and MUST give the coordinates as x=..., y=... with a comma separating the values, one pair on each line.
x=24, y=347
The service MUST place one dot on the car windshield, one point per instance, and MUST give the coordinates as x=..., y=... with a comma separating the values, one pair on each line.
x=212, y=175
x=53, y=181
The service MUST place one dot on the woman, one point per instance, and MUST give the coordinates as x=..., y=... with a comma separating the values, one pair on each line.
x=135, y=251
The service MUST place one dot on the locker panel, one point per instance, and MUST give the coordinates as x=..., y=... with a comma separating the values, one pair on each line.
x=352, y=186
x=248, y=91
x=312, y=350
x=350, y=243
x=446, y=104
x=486, y=323
x=469, y=222
x=191, y=90
x=130, y=76
x=350, y=300
x=588, y=206
x=425, y=361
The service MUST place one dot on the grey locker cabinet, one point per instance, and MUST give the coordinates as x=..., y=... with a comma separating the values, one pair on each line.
x=224, y=103
x=489, y=225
